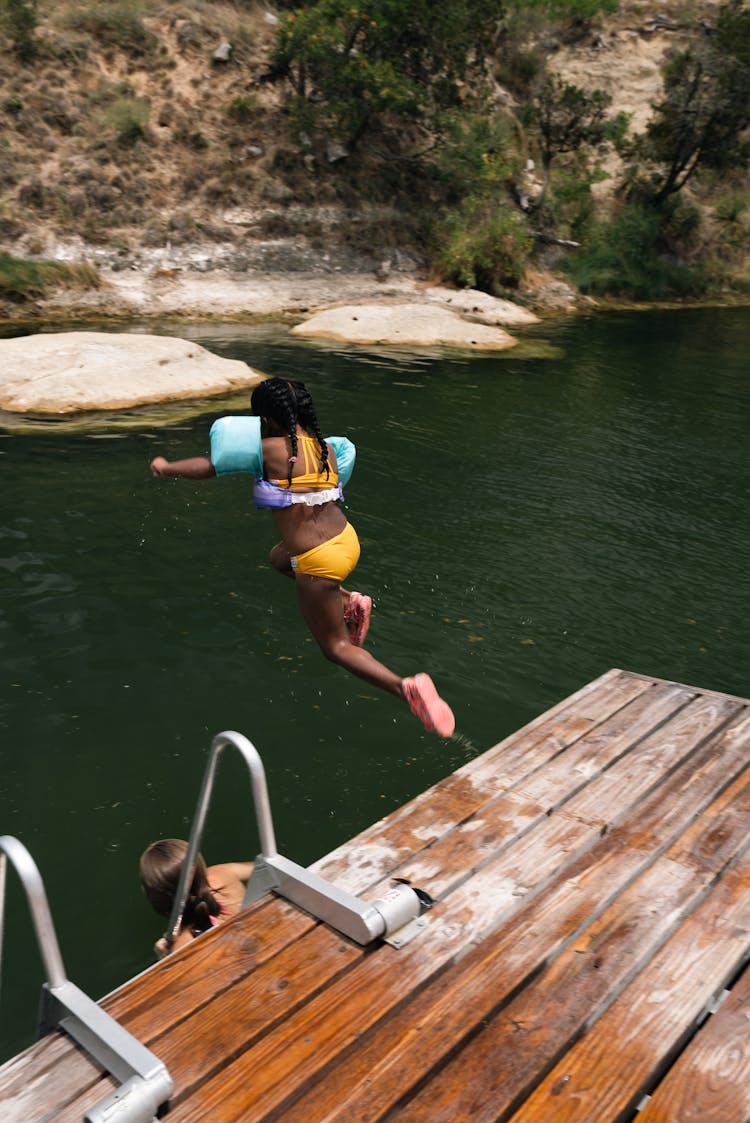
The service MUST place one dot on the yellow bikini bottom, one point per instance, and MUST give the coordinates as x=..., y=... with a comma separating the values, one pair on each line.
x=334, y=559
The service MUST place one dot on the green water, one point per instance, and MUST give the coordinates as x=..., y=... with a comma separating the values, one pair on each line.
x=528, y=521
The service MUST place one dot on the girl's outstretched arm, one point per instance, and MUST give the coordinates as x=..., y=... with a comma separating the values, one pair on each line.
x=197, y=468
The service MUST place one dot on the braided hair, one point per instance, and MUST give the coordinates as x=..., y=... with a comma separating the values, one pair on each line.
x=290, y=404
x=160, y=867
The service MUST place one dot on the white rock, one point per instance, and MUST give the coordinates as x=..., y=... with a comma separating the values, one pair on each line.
x=416, y=325
x=481, y=306
x=69, y=372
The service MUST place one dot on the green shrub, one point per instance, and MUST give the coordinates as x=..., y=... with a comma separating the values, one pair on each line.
x=566, y=11
x=482, y=245
x=12, y=105
x=732, y=206
x=71, y=52
x=19, y=18
x=198, y=142
x=569, y=207
x=22, y=280
x=241, y=109
x=356, y=68
x=682, y=222
x=124, y=89
x=476, y=155
x=520, y=70
x=625, y=257
x=35, y=195
x=127, y=118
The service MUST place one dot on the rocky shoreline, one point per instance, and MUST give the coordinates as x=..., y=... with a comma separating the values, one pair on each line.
x=82, y=374
x=59, y=374
x=282, y=278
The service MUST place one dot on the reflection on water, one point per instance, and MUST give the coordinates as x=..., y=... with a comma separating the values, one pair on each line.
x=528, y=521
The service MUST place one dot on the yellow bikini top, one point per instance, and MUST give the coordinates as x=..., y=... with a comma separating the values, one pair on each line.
x=312, y=479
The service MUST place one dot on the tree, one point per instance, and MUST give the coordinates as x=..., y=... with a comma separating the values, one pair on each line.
x=704, y=111
x=349, y=64
x=566, y=117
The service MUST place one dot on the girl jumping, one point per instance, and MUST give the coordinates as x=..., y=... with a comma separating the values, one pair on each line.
x=319, y=548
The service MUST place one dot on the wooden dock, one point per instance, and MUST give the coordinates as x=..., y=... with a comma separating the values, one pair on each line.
x=585, y=959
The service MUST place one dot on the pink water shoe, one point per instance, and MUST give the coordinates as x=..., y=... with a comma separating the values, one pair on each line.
x=357, y=617
x=426, y=704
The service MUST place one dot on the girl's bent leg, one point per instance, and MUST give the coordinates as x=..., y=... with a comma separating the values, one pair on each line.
x=323, y=610
x=322, y=607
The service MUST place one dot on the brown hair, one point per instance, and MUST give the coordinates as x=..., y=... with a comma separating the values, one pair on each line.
x=160, y=868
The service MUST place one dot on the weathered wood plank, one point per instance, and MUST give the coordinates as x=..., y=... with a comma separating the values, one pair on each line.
x=184, y=986
x=430, y=1025
x=602, y=747
x=655, y=757
x=503, y=1061
x=184, y=983
x=555, y=731
x=706, y=691
x=226, y=1027
x=377, y=851
x=546, y=854
x=710, y=1082
x=44, y=1079
x=508, y=817
x=577, y=821
x=308, y=1043
x=456, y=851
x=648, y=1021
x=180, y=985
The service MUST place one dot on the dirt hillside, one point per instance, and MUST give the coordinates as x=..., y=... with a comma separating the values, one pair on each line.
x=158, y=143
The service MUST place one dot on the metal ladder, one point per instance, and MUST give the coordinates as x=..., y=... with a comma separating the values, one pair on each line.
x=396, y=916
x=145, y=1083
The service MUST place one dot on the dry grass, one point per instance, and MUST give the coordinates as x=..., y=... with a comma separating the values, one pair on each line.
x=120, y=87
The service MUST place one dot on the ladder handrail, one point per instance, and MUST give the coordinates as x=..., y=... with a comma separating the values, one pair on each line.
x=144, y=1081
x=389, y=916
x=254, y=763
x=30, y=878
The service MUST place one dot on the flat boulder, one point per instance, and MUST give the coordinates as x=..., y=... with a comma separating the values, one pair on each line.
x=412, y=325
x=480, y=306
x=71, y=372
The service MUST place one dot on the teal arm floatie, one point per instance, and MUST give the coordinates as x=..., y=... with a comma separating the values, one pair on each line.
x=346, y=454
x=236, y=447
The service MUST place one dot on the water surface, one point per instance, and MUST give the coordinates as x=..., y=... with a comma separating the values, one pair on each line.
x=528, y=521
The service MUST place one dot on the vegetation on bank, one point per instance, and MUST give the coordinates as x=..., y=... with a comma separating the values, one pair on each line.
x=450, y=117
x=22, y=280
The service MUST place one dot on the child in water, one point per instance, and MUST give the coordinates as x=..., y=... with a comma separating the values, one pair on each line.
x=215, y=894
x=318, y=547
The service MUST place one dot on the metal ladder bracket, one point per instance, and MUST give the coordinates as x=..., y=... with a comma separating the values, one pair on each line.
x=396, y=917
x=145, y=1083
x=346, y=913
x=360, y=920
x=406, y=934
x=263, y=879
